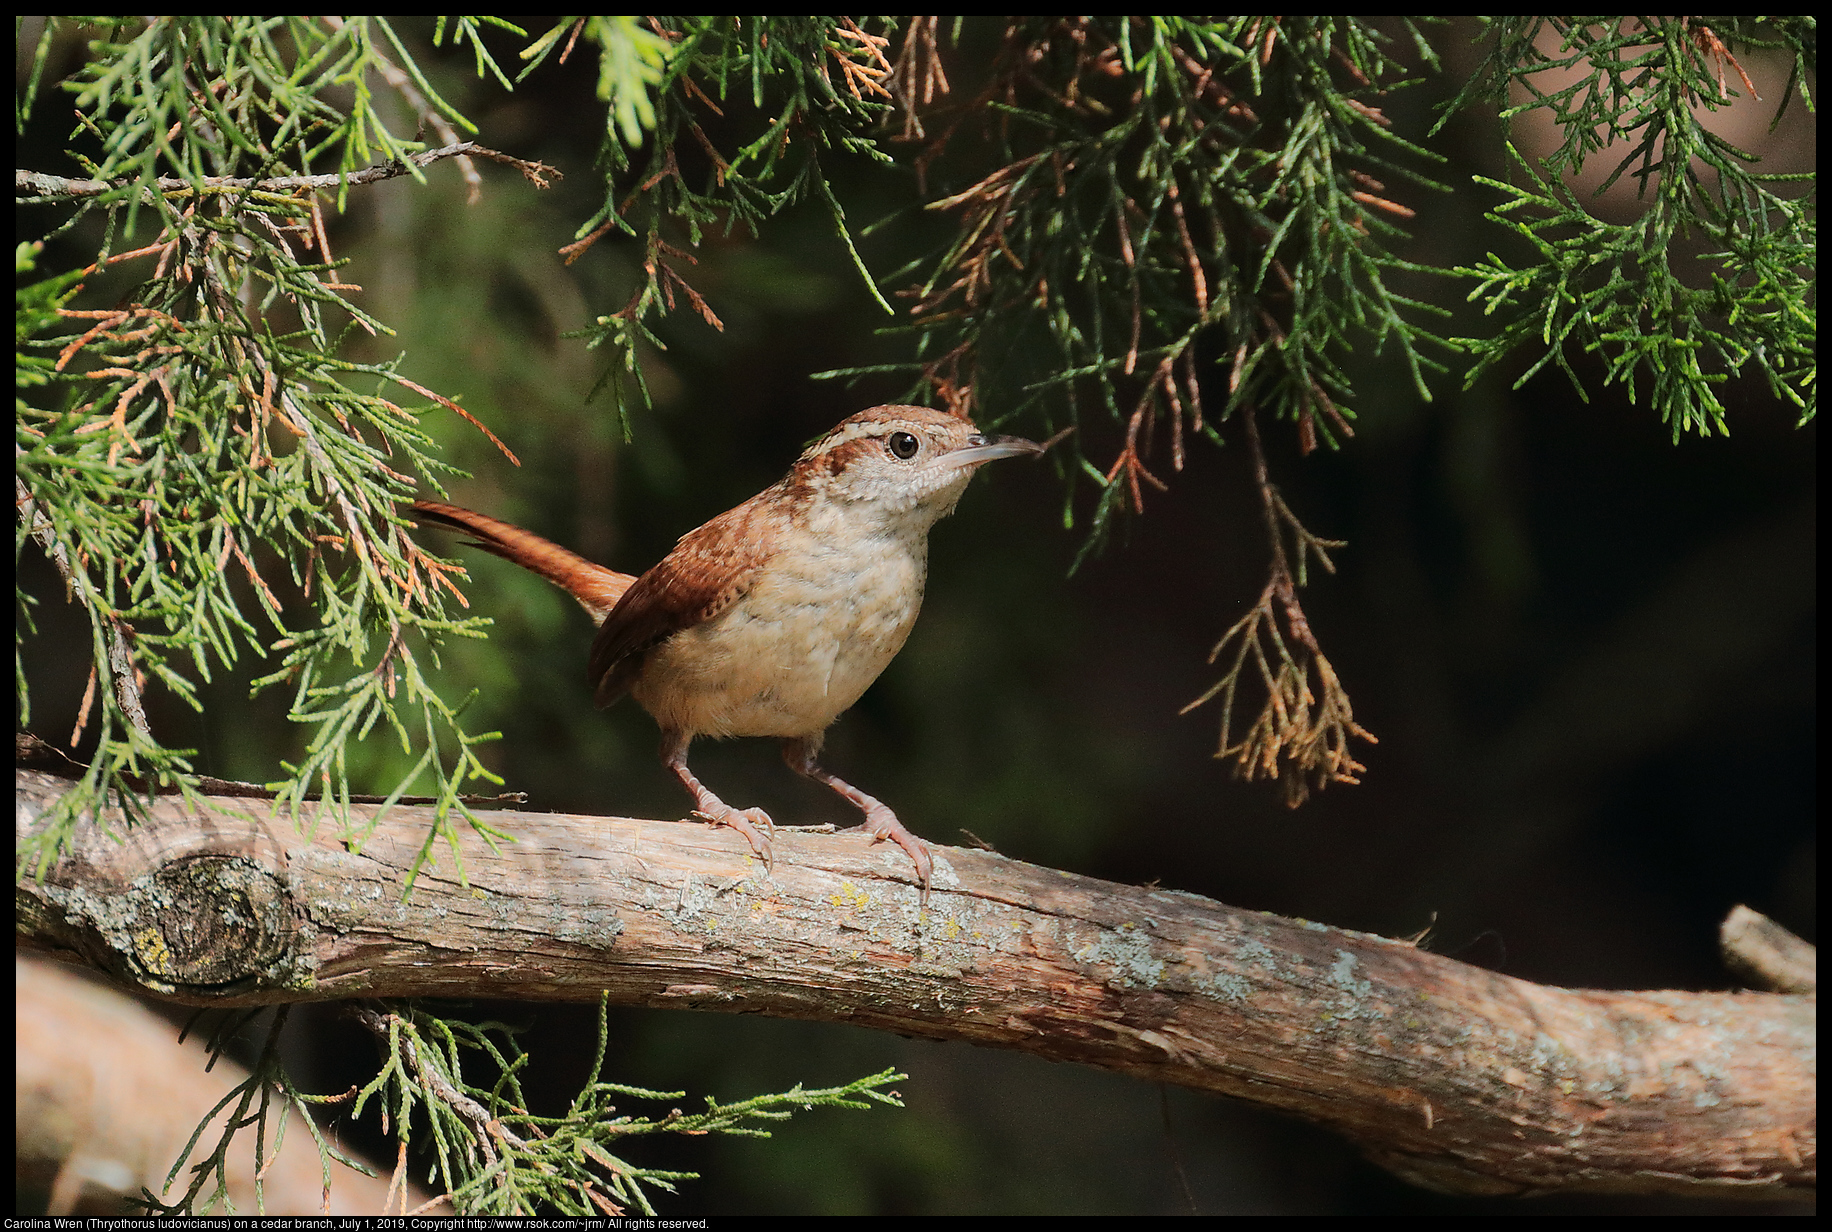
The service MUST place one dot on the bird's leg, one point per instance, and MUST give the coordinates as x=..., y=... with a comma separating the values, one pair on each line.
x=709, y=807
x=880, y=822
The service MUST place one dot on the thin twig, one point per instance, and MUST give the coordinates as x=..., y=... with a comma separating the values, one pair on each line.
x=31, y=187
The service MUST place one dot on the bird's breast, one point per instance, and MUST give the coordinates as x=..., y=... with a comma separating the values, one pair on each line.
x=821, y=620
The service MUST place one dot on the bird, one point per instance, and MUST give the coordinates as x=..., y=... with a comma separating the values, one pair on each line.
x=774, y=617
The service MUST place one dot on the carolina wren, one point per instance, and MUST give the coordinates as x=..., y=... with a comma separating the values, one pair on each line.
x=773, y=618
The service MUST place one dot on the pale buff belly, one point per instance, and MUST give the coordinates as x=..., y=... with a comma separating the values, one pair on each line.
x=790, y=656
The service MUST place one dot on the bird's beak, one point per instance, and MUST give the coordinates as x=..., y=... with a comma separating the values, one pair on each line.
x=981, y=447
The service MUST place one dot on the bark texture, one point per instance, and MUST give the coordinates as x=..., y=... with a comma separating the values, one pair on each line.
x=1452, y=1076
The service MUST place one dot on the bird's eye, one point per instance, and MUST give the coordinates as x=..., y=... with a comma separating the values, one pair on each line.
x=904, y=445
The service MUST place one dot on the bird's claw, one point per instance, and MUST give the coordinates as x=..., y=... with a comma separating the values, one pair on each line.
x=886, y=828
x=745, y=822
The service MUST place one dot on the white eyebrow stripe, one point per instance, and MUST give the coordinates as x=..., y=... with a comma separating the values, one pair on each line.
x=935, y=425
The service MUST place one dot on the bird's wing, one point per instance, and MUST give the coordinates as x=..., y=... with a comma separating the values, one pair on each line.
x=710, y=569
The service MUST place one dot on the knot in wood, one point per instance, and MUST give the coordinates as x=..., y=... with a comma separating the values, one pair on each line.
x=206, y=922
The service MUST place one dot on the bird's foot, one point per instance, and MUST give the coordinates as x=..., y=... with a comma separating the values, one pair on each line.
x=882, y=825
x=746, y=822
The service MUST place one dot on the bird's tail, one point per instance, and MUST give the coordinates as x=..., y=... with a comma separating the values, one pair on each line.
x=596, y=588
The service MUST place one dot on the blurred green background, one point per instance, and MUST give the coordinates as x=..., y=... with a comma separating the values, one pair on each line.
x=1588, y=653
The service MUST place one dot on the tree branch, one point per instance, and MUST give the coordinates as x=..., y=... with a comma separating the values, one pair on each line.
x=108, y=1096
x=121, y=669
x=1454, y=1077
x=1765, y=955
x=36, y=186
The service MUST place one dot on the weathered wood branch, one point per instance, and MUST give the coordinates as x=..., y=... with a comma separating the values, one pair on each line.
x=1767, y=955
x=107, y=1096
x=1452, y=1076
